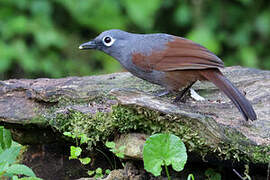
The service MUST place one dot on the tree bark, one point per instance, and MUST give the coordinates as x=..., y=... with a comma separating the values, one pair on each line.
x=37, y=109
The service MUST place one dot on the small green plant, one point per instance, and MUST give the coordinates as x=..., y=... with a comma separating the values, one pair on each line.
x=119, y=152
x=9, y=151
x=164, y=150
x=98, y=173
x=211, y=174
x=75, y=151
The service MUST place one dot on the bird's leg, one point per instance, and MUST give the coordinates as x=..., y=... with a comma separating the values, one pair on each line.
x=182, y=93
x=162, y=93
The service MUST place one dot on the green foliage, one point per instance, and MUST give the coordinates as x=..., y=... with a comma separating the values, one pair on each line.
x=5, y=138
x=98, y=173
x=85, y=160
x=144, y=18
x=9, y=155
x=212, y=174
x=20, y=169
x=75, y=151
x=123, y=119
x=164, y=150
x=119, y=152
x=9, y=152
x=40, y=38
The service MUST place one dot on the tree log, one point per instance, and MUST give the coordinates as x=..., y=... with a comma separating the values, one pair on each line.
x=107, y=105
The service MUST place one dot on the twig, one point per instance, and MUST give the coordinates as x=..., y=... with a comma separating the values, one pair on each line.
x=238, y=174
x=107, y=158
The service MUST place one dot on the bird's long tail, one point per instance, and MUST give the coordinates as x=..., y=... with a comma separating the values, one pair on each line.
x=239, y=100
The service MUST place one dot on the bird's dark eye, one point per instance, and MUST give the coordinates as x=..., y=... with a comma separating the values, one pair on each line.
x=108, y=41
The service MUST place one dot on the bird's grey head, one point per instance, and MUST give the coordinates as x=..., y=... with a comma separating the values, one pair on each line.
x=112, y=42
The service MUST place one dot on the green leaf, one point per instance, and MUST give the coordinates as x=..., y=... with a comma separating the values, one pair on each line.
x=160, y=148
x=110, y=145
x=120, y=155
x=2, y=138
x=15, y=178
x=107, y=171
x=85, y=161
x=20, y=169
x=99, y=171
x=84, y=138
x=3, y=166
x=67, y=134
x=75, y=152
x=9, y=155
x=90, y=173
x=5, y=138
x=74, y=136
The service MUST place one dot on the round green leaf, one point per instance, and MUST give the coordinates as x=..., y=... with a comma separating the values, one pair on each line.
x=107, y=171
x=75, y=152
x=164, y=148
x=98, y=171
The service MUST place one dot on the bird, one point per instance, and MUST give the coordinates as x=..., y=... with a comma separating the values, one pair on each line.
x=170, y=61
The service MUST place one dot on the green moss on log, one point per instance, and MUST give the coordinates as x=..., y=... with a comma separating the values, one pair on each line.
x=124, y=119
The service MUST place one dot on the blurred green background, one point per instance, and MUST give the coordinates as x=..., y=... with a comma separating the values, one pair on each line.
x=40, y=38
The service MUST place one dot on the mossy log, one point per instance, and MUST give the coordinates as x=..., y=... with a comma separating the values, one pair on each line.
x=108, y=105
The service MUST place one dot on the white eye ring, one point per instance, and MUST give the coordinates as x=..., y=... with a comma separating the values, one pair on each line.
x=108, y=41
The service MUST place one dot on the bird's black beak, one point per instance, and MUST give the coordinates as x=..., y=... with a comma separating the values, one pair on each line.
x=88, y=45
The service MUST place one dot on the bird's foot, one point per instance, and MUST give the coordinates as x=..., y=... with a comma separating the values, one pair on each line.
x=180, y=97
x=182, y=94
x=162, y=93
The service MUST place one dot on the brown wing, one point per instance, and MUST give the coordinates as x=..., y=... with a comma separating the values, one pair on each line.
x=180, y=54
